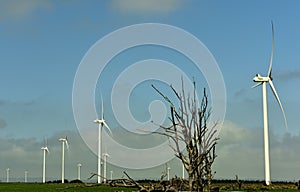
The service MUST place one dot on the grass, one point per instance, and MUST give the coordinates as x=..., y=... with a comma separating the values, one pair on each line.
x=266, y=190
x=70, y=187
x=36, y=187
x=257, y=186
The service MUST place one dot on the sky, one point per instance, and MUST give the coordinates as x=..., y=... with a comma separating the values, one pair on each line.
x=44, y=45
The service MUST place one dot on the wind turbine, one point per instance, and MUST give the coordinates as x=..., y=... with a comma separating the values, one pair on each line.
x=45, y=149
x=78, y=167
x=168, y=173
x=111, y=175
x=7, y=175
x=263, y=81
x=26, y=174
x=101, y=122
x=63, y=141
x=105, y=155
x=183, y=170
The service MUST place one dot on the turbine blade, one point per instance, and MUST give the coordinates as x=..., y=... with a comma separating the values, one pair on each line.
x=258, y=84
x=68, y=148
x=45, y=142
x=272, y=53
x=102, y=107
x=104, y=123
x=278, y=100
x=67, y=145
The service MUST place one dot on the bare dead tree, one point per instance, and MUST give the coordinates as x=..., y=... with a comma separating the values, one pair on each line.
x=189, y=127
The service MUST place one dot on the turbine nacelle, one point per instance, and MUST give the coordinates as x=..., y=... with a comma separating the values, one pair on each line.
x=259, y=78
x=65, y=140
x=45, y=149
x=102, y=123
x=99, y=121
x=106, y=155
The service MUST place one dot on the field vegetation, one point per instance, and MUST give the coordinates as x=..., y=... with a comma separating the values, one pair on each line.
x=216, y=185
x=49, y=187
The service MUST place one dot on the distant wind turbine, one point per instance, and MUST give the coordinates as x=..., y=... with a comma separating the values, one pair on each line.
x=63, y=141
x=183, y=170
x=7, y=175
x=262, y=81
x=26, y=174
x=45, y=149
x=168, y=173
x=105, y=155
x=111, y=175
x=78, y=167
x=101, y=122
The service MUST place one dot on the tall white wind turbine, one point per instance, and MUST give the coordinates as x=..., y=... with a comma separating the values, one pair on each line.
x=45, y=149
x=262, y=81
x=63, y=142
x=101, y=123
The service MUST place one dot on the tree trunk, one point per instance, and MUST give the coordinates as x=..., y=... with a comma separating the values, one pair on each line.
x=189, y=125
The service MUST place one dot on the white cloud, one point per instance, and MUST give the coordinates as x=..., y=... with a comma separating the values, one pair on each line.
x=18, y=9
x=289, y=75
x=146, y=6
x=233, y=133
x=3, y=123
x=26, y=154
x=240, y=152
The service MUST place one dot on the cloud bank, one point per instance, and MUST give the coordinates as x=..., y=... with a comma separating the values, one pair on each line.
x=146, y=6
x=240, y=152
x=18, y=9
x=3, y=123
x=290, y=75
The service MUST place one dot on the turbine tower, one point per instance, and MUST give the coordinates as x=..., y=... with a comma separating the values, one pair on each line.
x=63, y=141
x=105, y=155
x=111, y=175
x=183, y=170
x=45, y=149
x=168, y=173
x=101, y=122
x=26, y=174
x=7, y=175
x=263, y=81
x=78, y=167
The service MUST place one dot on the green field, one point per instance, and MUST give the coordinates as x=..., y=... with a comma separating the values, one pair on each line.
x=36, y=187
x=255, y=186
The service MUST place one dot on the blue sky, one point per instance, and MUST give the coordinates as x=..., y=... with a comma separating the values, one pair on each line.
x=43, y=43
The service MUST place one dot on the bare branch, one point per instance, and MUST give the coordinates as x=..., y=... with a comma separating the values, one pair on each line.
x=189, y=126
